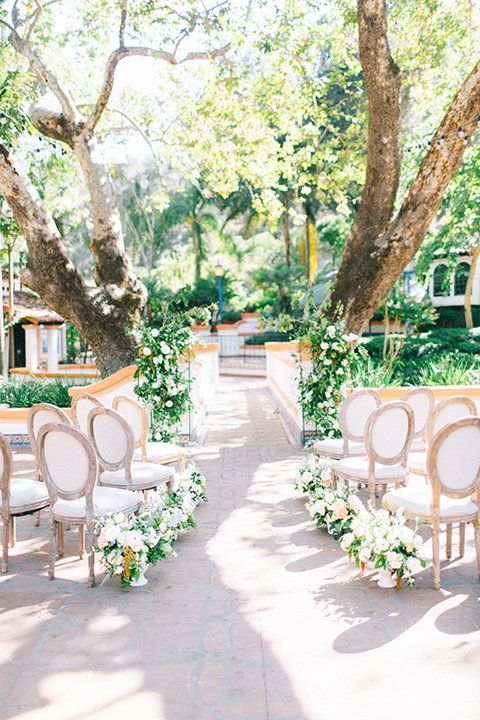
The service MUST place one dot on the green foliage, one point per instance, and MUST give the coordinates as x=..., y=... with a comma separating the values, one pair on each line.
x=162, y=383
x=334, y=358
x=28, y=392
x=444, y=356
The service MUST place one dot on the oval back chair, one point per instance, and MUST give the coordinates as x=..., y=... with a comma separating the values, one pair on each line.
x=388, y=435
x=422, y=402
x=69, y=467
x=145, y=450
x=114, y=442
x=452, y=494
x=353, y=414
x=82, y=403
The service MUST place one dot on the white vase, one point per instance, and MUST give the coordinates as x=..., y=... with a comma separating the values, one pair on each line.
x=142, y=580
x=386, y=579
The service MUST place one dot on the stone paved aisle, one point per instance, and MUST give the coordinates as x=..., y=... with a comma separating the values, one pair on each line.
x=259, y=617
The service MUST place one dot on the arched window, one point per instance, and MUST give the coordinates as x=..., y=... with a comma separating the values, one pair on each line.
x=438, y=280
x=462, y=272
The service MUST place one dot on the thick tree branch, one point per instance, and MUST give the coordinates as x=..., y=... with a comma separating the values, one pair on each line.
x=140, y=51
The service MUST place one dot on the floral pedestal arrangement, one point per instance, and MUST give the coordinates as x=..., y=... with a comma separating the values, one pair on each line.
x=127, y=545
x=367, y=535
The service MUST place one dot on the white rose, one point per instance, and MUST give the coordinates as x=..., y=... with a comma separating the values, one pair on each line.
x=146, y=351
x=413, y=565
x=155, y=332
x=394, y=560
x=111, y=533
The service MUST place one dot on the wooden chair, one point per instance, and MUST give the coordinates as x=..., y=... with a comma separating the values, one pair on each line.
x=353, y=414
x=113, y=441
x=388, y=435
x=443, y=413
x=145, y=450
x=452, y=495
x=82, y=403
x=422, y=402
x=38, y=416
x=20, y=496
x=69, y=467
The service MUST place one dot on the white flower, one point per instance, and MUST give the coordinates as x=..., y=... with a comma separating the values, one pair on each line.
x=146, y=351
x=413, y=565
x=111, y=533
x=327, y=361
x=169, y=403
x=394, y=560
x=324, y=346
x=331, y=330
x=155, y=332
x=381, y=545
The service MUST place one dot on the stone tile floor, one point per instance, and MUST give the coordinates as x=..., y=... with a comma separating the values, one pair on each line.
x=259, y=617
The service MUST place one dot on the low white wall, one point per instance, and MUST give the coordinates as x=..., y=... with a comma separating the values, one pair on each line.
x=282, y=383
x=203, y=371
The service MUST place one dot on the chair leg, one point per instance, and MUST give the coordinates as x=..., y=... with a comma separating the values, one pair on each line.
x=5, y=539
x=449, y=541
x=371, y=488
x=12, y=531
x=477, y=544
x=60, y=539
x=36, y=521
x=181, y=462
x=90, y=556
x=333, y=480
x=436, y=558
x=81, y=541
x=53, y=547
x=461, y=545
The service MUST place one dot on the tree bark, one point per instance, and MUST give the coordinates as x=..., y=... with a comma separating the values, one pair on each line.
x=101, y=314
x=380, y=244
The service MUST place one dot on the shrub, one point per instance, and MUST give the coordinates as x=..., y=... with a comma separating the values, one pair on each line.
x=28, y=392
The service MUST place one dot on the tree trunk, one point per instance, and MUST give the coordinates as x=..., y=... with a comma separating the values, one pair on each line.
x=468, y=289
x=103, y=315
x=379, y=245
x=100, y=314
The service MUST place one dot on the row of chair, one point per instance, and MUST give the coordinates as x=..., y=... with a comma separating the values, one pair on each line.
x=449, y=460
x=87, y=470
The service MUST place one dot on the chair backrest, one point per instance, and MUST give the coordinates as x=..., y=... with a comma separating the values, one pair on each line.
x=6, y=464
x=422, y=402
x=446, y=411
x=38, y=416
x=112, y=439
x=67, y=462
x=453, y=459
x=388, y=433
x=135, y=415
x=82, y=403
x=354, y=413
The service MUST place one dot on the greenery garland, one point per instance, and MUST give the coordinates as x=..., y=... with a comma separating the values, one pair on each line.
x=162, y=376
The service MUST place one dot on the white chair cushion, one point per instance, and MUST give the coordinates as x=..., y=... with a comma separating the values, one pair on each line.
x=27, y=495
x=417, y=461
x=105, y=500
x=418, y=445
x=333, y=448
x=330, y=447
x=158, y=451
x=144, y=475
x=357, y=468
x=418, y=501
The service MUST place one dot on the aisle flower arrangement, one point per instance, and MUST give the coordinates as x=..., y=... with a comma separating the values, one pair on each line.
x=366, y=534
x=126, y=544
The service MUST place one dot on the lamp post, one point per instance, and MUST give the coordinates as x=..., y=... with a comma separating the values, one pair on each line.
x=218, y=270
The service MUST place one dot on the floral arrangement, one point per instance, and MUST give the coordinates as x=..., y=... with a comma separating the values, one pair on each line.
x=313, y=473
x=385, y=540
x=162, y=374
x=126, y=544
x=334, y=508
x=321, y=390
x=366, y=534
